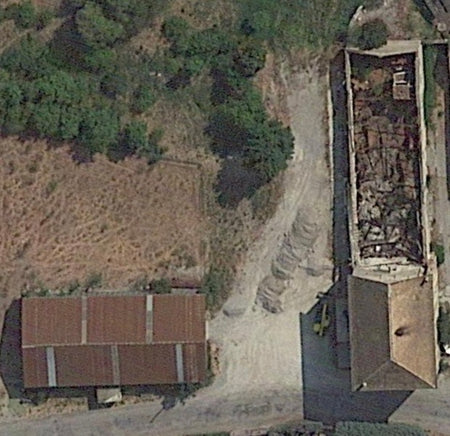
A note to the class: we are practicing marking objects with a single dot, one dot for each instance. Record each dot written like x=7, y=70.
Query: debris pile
x=387, y=157
x=297, y=246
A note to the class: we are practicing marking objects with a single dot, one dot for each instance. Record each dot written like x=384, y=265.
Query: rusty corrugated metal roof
x=144, y=364
x=113, y=340
x=51, y=321
x=114, y=320
x=34, y=367
x=178, y=319
x=83, y=365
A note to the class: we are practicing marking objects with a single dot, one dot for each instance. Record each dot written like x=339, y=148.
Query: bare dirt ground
x=61, y=221
x=260, y=378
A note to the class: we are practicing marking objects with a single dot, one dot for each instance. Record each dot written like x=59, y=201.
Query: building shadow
x=10, y=351
x=442, y=79
x=327, y=395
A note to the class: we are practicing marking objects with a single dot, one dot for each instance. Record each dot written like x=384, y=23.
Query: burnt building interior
x=387, y=157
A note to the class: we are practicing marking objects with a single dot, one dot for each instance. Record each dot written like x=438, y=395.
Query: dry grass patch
x=62, y=222
x=203, y=14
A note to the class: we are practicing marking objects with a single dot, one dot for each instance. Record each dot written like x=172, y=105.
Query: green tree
x=175, y=29
x=14, y=112
x=135, y=135
x=249, y=58
x=115, y=83
x=29, y=59
x=45, y=119
x=99, y=129
x=100, y=60
x=151, y=149
x=69, y=122
x=133, y=15
x=268, y=149
x=142, y=100
x=97, y=30
x=372, y=34
x=62, y=88
x=240, y=128
x=24, y=14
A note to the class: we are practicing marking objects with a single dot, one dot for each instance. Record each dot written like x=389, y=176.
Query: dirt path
x=260, y=380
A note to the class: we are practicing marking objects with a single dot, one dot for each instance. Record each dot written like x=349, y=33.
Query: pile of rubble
x=387, y=158
x=297, y=246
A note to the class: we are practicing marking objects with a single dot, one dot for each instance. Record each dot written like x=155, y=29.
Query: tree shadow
x=235, y=182
x=424, y=10
x=327, y=394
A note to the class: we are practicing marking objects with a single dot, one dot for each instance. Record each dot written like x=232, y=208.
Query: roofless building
x=391, y=294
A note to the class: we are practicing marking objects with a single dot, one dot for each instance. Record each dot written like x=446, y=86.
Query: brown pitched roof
x=113, y=340
x=392, y=334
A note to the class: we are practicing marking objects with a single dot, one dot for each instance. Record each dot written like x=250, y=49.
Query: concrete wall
x=352, y=210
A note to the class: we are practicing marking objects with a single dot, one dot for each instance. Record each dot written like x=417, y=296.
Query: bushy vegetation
x=85, y=86
x=215, y=286
x=160, y=286
x=439, y=251
x=311, y=24
x=77, y=87
x=430, y=55
x=372, y=34
x=443, y=325
x=368, y=429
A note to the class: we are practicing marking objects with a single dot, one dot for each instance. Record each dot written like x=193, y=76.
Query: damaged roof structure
x=391, y=294
x=106, y=340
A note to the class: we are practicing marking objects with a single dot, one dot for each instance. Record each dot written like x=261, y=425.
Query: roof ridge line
x=374, y=373
x=410, y=372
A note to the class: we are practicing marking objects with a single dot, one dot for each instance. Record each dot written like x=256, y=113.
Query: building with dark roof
x=113, y=340
x=392, y=334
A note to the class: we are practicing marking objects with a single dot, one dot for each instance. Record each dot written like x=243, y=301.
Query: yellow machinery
x=322, y=319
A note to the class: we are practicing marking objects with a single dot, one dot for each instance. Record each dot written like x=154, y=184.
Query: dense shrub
x=24, y=14
x=143, y=98
x=135, y=135
x=215, y=287
x=240, y=128
x=151, y=151
x=439, y=251
x=160, y=286
x=249, y=58
x=368, y=429
x=99, y=129
x=443, y=326
x=29, y=59
x=96, y=30
x=372, y=34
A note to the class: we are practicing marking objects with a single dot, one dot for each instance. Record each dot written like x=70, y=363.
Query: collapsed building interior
x=387, y=157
